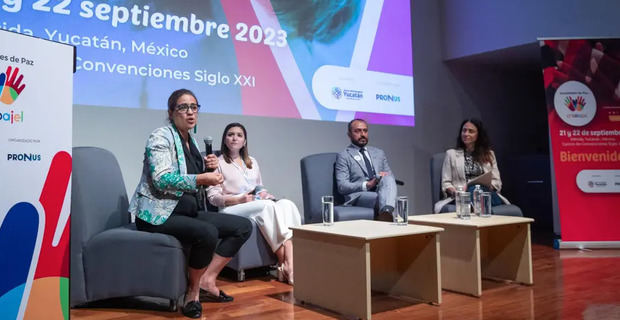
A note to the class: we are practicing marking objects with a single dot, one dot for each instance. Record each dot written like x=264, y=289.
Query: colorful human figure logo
x=11, y=85
x=575, y=104
x=34, y=281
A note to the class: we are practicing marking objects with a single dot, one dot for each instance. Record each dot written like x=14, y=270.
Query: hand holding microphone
x=209, y=177
x=211, y=161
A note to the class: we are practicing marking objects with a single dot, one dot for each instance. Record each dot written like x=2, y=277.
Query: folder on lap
x=483, y=179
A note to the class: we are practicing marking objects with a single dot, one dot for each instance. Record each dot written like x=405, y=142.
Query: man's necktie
x=370, y=171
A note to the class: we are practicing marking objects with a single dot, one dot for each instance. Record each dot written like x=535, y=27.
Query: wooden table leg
x=460, y=260
x=507, y=253
x=407, y=266
x=333, y=272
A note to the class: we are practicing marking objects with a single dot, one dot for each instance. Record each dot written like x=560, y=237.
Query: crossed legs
x=273, y=220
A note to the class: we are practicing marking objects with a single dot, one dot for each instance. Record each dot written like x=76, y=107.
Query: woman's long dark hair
x=482, y=146
x=244, y=150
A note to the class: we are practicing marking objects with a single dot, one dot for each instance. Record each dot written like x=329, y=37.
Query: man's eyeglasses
x=182, y=108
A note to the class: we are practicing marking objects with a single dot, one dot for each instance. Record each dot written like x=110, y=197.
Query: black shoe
x=206, y=296
x=192, y=309
x=385, y=214
x=387, y=209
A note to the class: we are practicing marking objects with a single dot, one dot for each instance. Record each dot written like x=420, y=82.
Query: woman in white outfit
x=237, y=195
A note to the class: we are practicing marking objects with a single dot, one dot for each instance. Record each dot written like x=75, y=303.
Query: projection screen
x=308, y=59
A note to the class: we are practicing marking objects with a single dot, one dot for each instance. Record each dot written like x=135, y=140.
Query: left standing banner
x=36, y=90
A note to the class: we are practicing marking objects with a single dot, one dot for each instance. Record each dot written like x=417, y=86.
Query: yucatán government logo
x=11, y=85
x=348, y=94
x=337, y=93
x=574, y=103
x=353, y=94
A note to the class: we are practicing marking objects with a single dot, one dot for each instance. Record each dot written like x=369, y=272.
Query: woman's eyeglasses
x=182, y=108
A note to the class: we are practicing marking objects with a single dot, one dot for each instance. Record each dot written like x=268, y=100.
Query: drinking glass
x=327, y=204
x=401, y=214
x=463, y=205
x=485, y=205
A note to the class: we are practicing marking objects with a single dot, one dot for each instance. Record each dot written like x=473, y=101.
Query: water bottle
x=476, y=194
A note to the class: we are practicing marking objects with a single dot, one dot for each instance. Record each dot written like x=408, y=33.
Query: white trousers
x=273, y=218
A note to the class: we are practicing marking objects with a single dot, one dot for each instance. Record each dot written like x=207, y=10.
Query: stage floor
x=568, y=284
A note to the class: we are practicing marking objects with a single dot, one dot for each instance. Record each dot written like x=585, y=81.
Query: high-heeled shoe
x=288, y=277
x=280, y=273
x=284, y=276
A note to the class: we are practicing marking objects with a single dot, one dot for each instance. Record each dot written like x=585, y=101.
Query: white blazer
x=453, y=173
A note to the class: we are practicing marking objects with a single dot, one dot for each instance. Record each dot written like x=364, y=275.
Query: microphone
x=209, y=149
x=208, y=145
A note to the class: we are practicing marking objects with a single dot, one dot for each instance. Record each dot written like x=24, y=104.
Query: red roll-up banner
x=582, y=86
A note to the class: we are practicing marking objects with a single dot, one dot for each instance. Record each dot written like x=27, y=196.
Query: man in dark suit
x=363, y=175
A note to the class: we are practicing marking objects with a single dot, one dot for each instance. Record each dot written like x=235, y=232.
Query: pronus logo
x=23, y=157
x=574, y=103
x=337, y=93
x=10, y=85
x=387, y=97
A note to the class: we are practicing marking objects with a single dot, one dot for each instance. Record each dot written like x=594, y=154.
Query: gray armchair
x=318, y=179
x=109, y=257
x=436, y=165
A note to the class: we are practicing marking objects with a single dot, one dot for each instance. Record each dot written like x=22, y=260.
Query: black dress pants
x=202, y=232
